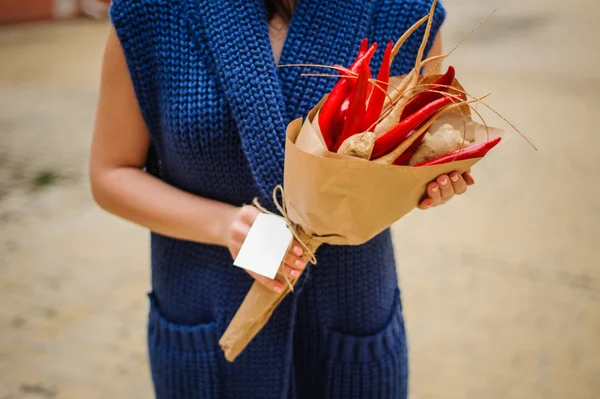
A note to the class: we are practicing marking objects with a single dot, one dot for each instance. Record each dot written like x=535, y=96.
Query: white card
x=265, y=246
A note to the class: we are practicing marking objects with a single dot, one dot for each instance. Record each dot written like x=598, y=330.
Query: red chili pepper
x=357, y=65
x=330, y=109
x=472, y=151
x=363, y=48
x=426, y=97
x=340, y=118
x=331, y=116
x=378, y=94
x=392, y=139
x=364, y=56
x=357, y=106
x=364, y=59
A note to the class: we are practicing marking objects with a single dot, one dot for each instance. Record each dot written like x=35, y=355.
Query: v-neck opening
x=278, y=35
x=289, y=33
x=290, y=29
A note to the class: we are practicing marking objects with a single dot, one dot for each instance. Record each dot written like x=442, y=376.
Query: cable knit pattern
x=217, y=107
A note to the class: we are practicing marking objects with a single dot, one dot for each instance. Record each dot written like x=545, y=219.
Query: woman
x=190, y=126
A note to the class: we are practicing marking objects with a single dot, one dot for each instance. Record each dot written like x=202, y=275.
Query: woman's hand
x=445, y=187
x=241, y=221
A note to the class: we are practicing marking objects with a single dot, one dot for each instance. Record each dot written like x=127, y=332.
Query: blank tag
x=265, y=246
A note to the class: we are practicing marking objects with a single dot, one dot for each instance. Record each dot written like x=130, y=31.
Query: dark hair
x=283, y=8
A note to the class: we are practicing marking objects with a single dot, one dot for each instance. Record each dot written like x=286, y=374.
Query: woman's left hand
x=445, y=187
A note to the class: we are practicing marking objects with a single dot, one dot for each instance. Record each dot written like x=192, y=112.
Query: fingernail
x=454, y=178
x=444, y=181
x=294, y=273
x=434, y=188
x=277, y=289
x=298, y=251
x=300, y=264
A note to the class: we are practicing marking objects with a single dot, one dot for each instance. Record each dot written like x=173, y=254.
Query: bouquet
x=362, y=158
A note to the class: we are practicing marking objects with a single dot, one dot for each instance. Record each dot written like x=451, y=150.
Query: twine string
x=281, y=207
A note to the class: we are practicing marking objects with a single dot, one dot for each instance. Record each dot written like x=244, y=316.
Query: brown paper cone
x=256, y=309
x=343, y=200
x=336, y=199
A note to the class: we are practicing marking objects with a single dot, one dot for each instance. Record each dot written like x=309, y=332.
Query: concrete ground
x=501, y=287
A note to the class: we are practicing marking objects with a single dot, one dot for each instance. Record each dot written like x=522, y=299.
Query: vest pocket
x=368, y=367
x=183, y=359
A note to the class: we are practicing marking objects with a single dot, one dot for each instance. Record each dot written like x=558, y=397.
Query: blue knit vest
x=216, y=107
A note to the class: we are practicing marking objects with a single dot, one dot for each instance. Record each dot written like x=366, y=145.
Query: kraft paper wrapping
x=340, y=200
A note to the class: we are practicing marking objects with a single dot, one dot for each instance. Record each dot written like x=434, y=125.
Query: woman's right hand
x=242, y=219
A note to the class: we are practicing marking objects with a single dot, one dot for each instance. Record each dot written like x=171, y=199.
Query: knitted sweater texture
x=217, y=107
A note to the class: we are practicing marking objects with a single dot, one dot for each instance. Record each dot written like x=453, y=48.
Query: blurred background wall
x=501, y=287
x=19, y=11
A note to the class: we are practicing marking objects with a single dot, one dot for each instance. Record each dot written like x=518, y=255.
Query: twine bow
x=281, y=207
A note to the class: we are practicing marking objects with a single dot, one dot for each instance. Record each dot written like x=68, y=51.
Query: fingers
x=248, y=214
x=290, y=272
x=234, y=249
x=446, y=189
x=239, y=230
x=458, y=183
x=293, y=264
x=293, y=257
x=468, y=178
x=240, y=227
x=426, y=204
x=434, y=197
x=245, y=220
x=267, y=282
